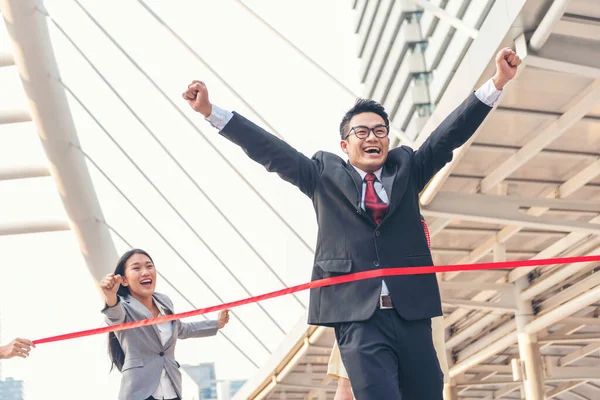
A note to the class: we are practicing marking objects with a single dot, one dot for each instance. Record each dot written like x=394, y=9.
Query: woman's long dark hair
x=115, y=351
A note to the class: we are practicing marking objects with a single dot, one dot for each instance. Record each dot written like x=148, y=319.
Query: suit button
x=376, y=264
x=161, y=354
x=377, y=233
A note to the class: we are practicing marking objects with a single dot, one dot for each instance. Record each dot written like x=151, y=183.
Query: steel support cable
x=208, y=67
x=297, y=49
x=181, y=168
x=191, y=123
x=244, y=239
x=113, y=230
x=166, y=200
x=216, y=207
x=164, y=239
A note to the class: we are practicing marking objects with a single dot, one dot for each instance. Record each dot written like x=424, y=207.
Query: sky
x=45, y=286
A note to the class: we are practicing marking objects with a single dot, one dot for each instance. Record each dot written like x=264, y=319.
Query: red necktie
x=373, y=203
x=427, y=235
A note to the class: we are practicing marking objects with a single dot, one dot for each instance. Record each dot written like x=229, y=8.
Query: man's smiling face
x=368, y=154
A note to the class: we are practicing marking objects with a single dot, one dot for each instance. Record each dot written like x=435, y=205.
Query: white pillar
x=529, y=350
x=34, y=58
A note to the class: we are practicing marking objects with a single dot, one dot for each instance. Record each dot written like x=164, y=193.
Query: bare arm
x=462, y=123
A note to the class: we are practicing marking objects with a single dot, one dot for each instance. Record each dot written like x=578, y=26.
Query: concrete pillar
x=529, y=350
x=35, y=61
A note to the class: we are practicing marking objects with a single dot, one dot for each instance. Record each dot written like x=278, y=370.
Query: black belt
x=152, y=398
x=385, y=302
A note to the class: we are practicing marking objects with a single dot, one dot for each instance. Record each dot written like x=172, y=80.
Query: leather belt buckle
x=385, y=302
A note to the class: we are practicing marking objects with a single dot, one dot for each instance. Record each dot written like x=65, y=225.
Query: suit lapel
x=353, y=192
x=145, y=313
x=169, y=311
x=394, y=178
x=388, y=175
x=356, y=192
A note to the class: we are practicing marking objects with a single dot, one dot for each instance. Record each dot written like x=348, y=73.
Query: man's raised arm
x=271, y=152
x=462, y=123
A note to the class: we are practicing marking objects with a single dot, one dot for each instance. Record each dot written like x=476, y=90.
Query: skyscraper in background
x=205, y=377
x=11, y=389
x=227, y=389
x=209, y=387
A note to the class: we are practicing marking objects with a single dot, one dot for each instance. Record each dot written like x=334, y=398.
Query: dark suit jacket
x=348, y=239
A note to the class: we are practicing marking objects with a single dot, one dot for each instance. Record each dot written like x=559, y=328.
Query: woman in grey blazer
x=146, y=356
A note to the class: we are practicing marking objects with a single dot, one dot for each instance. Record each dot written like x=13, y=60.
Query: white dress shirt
x=382, y=195
x=165, y=389
x=487, y=94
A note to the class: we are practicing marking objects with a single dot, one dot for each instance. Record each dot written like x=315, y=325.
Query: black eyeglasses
x=362, y=132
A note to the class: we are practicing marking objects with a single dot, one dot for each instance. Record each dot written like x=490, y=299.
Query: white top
x=165, y=389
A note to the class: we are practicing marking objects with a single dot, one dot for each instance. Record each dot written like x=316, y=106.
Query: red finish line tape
x=321, y=283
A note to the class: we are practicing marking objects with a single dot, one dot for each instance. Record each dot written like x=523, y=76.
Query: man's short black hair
x=362, y=106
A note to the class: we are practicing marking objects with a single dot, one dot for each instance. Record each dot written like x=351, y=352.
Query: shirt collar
x=161, y=309
x=363, y=173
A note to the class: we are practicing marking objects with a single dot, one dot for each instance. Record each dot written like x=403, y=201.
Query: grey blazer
x=145, y=356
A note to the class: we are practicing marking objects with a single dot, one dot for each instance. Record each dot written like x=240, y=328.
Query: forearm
x=273, y=153
x=452, y=133
x=114, y=314
x=198, y=329
x=110, y=299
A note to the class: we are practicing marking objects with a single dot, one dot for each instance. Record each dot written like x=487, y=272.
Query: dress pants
x=388, y=357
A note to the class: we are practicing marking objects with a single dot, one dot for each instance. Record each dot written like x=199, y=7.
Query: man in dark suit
x=368, y=218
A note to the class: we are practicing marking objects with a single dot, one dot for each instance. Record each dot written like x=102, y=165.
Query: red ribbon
x=378, y=273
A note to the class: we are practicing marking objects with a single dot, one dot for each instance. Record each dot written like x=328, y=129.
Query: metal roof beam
x=23, y=172
x=537, y=325
x=578, y=27
x=22, y=228
x=14, y=116
x=544, y=29
x=578, y=354
x=563, y=66
x=565, y=387
x=6, y=60
x=507, y=211
x=450, y=19
x=589, y=98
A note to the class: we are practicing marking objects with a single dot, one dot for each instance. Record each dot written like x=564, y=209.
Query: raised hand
x=197, y=97
x=110, y=285
x=507, y=62
x=223, y=318
x=17, y=348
